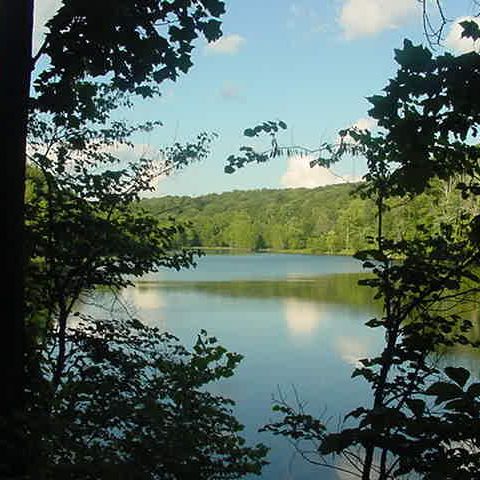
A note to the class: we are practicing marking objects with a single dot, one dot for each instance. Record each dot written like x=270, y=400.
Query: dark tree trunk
x=16, y=20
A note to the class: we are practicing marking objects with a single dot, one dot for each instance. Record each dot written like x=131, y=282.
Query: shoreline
x=245, y=251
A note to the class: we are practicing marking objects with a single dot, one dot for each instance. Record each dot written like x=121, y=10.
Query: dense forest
x=334, y=219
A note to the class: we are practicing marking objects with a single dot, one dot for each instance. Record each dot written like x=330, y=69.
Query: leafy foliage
x=132, y=403
x=99, y=406
x=117, y=47
x=84, y=231
x=109, y=397
x=332, y=220
x=325, y=155
x=424, y=419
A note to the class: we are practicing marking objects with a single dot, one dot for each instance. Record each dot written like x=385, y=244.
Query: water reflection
x=353, y=349
x=303, y=317
x=260, y=266
x=149, y=303
x=147, y=297
x=339, y=289
x=293, y=326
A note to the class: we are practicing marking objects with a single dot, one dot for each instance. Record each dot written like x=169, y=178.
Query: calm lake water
x=298, y=321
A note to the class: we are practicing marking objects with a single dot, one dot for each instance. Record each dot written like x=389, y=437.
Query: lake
x=298, y=321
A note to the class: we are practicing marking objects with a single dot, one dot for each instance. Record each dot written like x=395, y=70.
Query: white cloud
x=44, y=11
x=124, y=153
x=365, y=123
x=226, y=45
x=131, y=153
x=300, y=174
x=455, y=41
x=360, y=18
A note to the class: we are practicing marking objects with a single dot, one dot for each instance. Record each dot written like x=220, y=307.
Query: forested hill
x=322, y=220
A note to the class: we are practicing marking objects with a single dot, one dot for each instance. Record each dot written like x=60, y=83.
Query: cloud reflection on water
x=147, y=298
x=302, y=317
x=149, y=304
x=353, y=349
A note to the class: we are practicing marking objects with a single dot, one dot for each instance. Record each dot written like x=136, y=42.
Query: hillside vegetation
x=332, y=219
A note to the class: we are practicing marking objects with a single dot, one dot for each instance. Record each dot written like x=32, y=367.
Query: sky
x=310, y=63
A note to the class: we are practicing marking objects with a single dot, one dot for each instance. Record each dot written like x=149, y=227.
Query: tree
x=241, y=232
x=15, y=58
x=134, y=403
x=435, y=19
x=128, y=47
x=423, y=419
x=290, y=219
x=110, y=397
x=83, y=229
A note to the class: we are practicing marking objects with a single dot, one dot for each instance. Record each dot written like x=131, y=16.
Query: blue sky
x=310, y=63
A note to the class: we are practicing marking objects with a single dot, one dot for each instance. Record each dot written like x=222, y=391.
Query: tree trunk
x=16, y=21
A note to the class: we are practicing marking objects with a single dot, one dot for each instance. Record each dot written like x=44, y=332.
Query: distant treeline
x=329, y=219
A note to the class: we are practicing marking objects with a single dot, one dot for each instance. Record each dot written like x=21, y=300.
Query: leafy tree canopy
x=129, y=46
x=424, y=418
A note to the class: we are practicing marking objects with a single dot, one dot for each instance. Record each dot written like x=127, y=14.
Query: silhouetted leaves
x=112, y=398
x=134, y=402
x=422, y=421
x=459, y=375
x=129, y=46
x=471, y=29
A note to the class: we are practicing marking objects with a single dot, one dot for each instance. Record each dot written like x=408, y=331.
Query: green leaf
x=335, y=442
x=474, y=390
x=249, y=132
x=212, y=30
x=444, y=391
x=215, y=7
x=356, y=413
x=471, y=29
x=374, y=322
x=415, y=58
x=459, y=375
x=459, y=404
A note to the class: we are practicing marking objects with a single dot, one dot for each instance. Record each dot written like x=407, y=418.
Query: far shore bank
x=245, y=251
